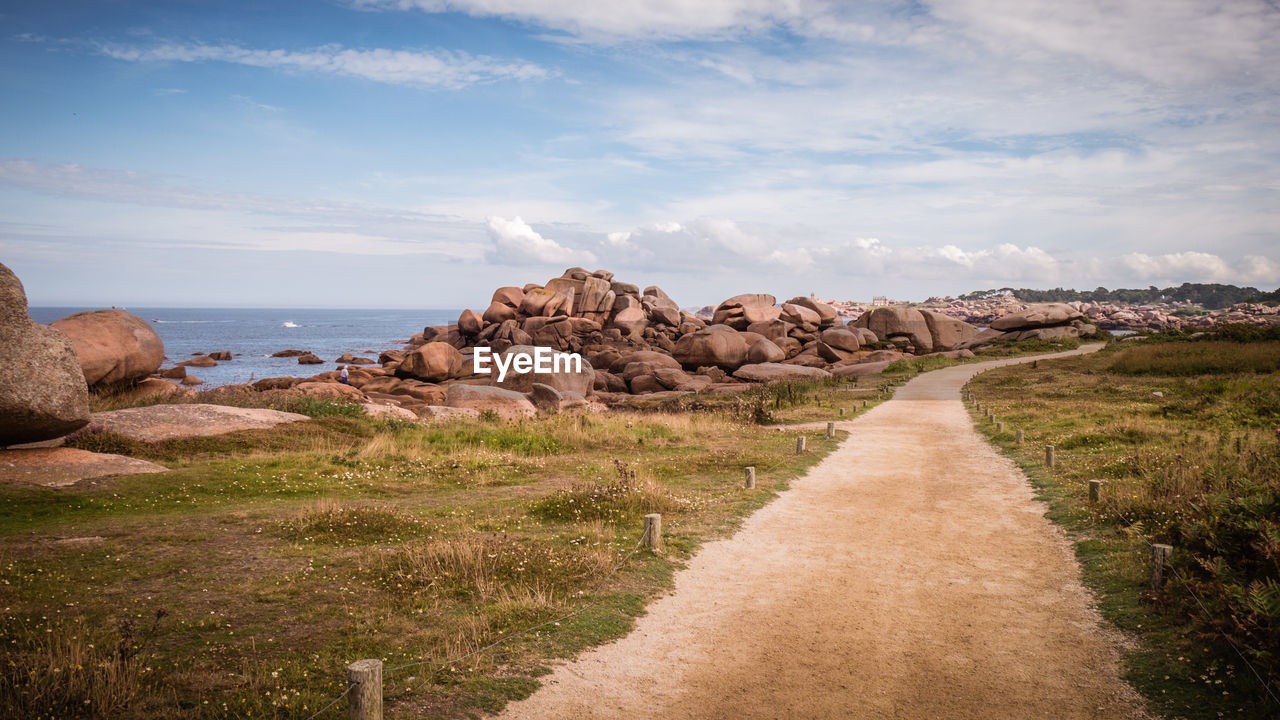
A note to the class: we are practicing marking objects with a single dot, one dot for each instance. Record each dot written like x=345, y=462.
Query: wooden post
x=1095, y=491
x=1159, y=558
x=1000, y=427
x=1048, y=455
x=841, y=412
x=799, y=444
x=831, y=430
x=992, y=418
x=1019, y=438
x=653, y=530
x=750, y=481
x=364, y=702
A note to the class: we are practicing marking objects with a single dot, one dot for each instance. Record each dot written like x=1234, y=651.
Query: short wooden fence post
x=750, y=481
x=1018, y=439
x=1048, y=455
x=1160, y=555
x=999, y=427
x=831, y=430
x=799, y=444
x=1095, y=491
x=653, y=531
x=364, y=701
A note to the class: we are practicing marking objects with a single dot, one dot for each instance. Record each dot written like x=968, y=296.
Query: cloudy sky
x=419, y=153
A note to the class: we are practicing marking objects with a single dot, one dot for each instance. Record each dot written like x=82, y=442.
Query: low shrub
x=622, y=501
x=338, y=524
x=1198, y=358
x=95, y=438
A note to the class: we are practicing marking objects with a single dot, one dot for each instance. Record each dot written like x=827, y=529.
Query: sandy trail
x=911, y=574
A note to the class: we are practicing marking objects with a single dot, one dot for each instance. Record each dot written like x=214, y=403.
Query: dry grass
x=62, y=673
x=1199, y=358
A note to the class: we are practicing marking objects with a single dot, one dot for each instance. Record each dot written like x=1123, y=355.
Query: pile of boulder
x=1148, y=317
x=1045, y=321
x=634, y=342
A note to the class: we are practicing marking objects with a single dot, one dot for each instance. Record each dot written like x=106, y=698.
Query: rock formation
x=113, y=346
x=43, y=393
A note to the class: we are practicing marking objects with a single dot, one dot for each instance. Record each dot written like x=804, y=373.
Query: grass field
x=1184, y=437
x=242, y=582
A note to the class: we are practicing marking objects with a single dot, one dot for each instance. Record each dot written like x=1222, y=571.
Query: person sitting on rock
x=342, y=377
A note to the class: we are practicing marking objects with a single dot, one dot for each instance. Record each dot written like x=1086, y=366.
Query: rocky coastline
x=634, y=342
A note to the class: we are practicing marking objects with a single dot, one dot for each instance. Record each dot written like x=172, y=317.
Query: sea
x=253, y=334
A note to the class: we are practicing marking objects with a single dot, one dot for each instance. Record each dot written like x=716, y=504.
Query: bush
x=621, y=501
x=283, y=400
x=1198, y=358
x=1242, y=333
x=95, y=438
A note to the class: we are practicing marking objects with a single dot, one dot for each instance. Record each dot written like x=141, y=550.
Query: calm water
x=253, y=334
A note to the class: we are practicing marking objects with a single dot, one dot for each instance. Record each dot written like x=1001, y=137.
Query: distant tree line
x=1208, y=295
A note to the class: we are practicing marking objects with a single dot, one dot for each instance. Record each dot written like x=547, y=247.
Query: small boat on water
x=289, y=323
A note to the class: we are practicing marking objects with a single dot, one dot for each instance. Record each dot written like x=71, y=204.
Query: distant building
x=879, y=301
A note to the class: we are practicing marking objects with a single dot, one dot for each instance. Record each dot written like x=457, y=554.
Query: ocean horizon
x=251, y=335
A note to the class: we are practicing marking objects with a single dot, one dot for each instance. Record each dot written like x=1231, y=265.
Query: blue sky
x=419, y=153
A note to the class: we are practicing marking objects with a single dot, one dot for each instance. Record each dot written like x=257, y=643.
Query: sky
x=420, y=153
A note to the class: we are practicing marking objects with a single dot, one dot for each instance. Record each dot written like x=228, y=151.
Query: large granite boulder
x=43, y=393
x=765, y=351
x=157, y=423
x=113, y=346
x=827, y=315
x=1038, y=315
x=889, y=323
x=773, y=372
x=717, y=345
x=740, y=311
x=565, y=379
x=841, y=339
x=433, y=362
x=508, y=404
x=948, y=333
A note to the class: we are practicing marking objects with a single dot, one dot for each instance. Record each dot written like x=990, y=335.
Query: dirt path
x=909, y=575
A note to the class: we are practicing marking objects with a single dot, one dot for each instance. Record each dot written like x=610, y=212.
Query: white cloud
x=1167, y=41
x=1259, y=269
x=429, y=69
x=1206, y=267
x=515, y=243
x=647, y=19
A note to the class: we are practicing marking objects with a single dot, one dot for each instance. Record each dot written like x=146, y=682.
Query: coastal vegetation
x=242, y=582
x=1182, y=433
